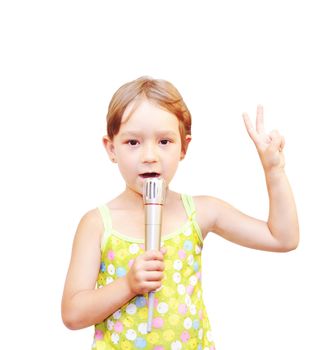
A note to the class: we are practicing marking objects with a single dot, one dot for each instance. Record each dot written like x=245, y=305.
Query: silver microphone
x=154, y=196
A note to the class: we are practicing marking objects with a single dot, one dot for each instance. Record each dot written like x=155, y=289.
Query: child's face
x=148, y=144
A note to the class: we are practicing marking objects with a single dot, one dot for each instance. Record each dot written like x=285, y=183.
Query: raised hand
x=269, y=146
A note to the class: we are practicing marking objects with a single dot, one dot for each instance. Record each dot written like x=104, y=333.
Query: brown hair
x=158, y=91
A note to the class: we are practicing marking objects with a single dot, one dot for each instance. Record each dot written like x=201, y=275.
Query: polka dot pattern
x=180, y=319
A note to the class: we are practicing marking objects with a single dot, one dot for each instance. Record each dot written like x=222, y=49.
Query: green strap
x=190, y=208
x=107, y=222
x=189, y=205
x=106, y=217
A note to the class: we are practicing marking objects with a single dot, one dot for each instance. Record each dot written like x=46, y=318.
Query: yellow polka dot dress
x=180, y=320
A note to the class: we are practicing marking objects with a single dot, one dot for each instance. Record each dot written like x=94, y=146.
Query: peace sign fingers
x=260, y=119
x=269, y=146
x=258, y=135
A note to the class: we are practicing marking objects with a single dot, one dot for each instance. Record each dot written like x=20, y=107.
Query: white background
x=61, y=61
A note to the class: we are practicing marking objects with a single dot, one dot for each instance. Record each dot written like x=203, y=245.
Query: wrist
x=272, y=175
x=128, y=286
x=274, y=171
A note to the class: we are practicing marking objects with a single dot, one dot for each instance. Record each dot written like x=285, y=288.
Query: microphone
x=154, y=196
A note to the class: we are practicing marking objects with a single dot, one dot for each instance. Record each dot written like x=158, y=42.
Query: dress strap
x=189, y=205
x=107, y=223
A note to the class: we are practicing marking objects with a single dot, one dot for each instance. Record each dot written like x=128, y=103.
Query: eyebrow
x=136, y=133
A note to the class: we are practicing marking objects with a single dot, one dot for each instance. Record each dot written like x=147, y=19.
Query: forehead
x=147, y=113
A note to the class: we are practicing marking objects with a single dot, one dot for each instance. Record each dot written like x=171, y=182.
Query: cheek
x=172, y=165
x=123, y=161
x=127, y=164
x=126, y=158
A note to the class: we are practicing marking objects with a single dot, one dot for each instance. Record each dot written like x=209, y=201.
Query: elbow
x=71, y=319
x=70, y=325
x=287, y=240
x=290, y=245
x=70, y=322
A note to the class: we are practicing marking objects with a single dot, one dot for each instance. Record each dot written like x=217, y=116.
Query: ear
x=109, y=147
x=184, y=151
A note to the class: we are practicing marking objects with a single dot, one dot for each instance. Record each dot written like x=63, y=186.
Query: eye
x=132, y=142
x=165, y=142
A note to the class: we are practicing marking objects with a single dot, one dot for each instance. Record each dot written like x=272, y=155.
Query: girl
x=148, y=132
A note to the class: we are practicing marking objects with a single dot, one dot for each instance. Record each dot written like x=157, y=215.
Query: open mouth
x=147, y=175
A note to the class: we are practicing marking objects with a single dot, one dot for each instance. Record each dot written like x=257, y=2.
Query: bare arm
x=281, y=231
x=282, y=221
x=82, y=304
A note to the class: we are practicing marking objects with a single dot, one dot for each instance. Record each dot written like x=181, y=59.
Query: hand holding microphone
x=154, y=197
x=146, y=273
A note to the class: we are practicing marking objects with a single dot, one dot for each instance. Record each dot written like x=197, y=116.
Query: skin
x=149, y=141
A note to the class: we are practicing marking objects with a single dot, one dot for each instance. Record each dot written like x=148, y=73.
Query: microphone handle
x=153, y=222
x=153, y=219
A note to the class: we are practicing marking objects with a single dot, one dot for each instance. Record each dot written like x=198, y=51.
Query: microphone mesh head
x=154, y=191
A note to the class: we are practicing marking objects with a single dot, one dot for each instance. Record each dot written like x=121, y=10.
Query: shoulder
x=208, y=209
x=92, y=218
x=90, y=226
x=204, y=201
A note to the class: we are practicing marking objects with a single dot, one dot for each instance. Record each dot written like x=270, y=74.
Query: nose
x=150, y=154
